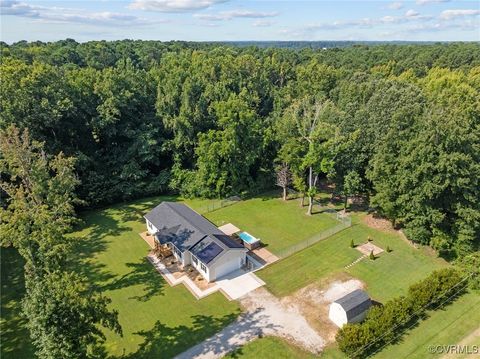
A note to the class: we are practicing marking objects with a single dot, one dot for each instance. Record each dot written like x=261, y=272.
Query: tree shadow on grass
x=163, y=341
x=143, y=273
x=85, y=247
x=14, y=336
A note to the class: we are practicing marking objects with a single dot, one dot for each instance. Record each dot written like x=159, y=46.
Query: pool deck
x=265, y=255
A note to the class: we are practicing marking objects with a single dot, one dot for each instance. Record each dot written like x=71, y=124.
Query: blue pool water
x=247, y=237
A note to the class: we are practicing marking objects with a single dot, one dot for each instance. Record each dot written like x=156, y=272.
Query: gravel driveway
x=265, y=315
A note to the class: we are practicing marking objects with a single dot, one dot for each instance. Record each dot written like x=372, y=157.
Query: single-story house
x=194, y=240
x=351, y=308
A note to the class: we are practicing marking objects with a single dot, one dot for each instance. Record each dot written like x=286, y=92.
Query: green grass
x=161, y=321
x=388, y=276
x=269, y=347
x=14, y=337
x=277, y=223
x=157, y=320
x=447, y=326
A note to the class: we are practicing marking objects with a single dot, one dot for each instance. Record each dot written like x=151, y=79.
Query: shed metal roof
x=355, y=303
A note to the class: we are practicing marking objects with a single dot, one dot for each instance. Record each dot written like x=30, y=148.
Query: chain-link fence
x=217, y=204
x=343, y=223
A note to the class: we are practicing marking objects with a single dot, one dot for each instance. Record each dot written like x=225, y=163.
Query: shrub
x=384, y=323
x=389, y=249
x=372, y=256
x=352, y=244
x=470, y=265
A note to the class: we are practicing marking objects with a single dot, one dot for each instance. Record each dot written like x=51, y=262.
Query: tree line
x=397, y=123
x=385, y=324
x=84, y=125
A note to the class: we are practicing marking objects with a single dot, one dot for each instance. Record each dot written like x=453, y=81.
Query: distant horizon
x=235, y=20
x=259, y=41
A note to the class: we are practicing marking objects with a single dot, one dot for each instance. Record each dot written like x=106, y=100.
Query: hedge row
x=384, y=323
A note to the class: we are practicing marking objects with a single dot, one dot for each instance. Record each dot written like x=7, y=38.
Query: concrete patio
x=234, y=286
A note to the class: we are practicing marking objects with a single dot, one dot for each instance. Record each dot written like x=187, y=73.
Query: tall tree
x=62, y=314
x=308, y=122
x=352, y=185
x=284, y=178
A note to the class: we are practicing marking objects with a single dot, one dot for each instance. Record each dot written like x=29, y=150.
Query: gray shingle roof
x=182, y=226
x=355, y=303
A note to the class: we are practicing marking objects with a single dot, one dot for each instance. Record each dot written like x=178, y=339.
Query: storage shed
x=351, y=308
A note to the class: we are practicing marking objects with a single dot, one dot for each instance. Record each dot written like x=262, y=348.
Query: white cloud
x=410, y=17
x=388, y=19
x=229, y=15
x=466, y=25
x=173, y=5
x=69, y=15
x=263, y=23
x=411, y=13
x=395, y=5
x=424, y=2
x=451, y=14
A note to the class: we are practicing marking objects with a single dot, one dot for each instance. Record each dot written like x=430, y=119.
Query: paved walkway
x=265, y=315
x=197, y=292
x=356, y=261
x=235, y=285
x=265, y=255
x=239, y=283
x=147, y=237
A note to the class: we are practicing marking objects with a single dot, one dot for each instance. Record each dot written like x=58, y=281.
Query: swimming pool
x=248, y=238
x=249, y=241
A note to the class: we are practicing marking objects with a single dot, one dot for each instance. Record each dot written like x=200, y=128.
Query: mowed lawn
x=386, y=277
x=158, y=321
x=270, y=347
x=14, y=337
x=279, y=224
x=457, y=323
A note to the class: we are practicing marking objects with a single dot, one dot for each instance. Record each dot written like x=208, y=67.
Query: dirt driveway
x=302, y=319
x=264, y=315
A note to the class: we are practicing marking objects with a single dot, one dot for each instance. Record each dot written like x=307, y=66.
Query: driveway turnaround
x=239, y=283
x=265, y=315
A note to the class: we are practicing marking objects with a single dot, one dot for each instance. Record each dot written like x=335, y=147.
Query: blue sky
x=221, y=20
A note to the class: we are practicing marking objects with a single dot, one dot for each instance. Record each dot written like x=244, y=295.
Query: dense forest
x=399, y=124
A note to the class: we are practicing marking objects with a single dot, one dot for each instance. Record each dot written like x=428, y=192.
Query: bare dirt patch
x=284, y=318
x=378, y=223
x=302, y=319
x=314, y=302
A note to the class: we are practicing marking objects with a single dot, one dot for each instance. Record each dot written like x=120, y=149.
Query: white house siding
x=227, y=263
x=206, y=273
x=337, y=314
x=151, y=228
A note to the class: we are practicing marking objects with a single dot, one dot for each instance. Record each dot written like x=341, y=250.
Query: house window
x=177, y=251
x=203, y=267
x=195, y=260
